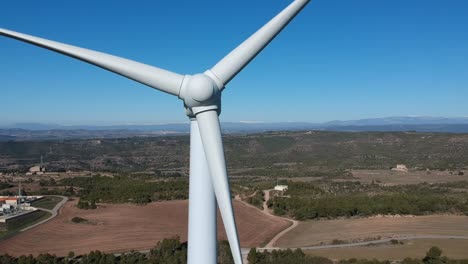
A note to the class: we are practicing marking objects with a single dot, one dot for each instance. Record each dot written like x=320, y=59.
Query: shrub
x=78, y=220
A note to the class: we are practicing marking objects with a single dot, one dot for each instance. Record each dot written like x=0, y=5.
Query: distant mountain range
x=401, y=120
x=37, y=131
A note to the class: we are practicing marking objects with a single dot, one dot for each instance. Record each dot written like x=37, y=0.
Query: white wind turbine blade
x=210, y=132
x=237, y=59
x=157, y=78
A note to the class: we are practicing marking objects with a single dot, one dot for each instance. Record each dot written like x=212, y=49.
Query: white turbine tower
x=201, y=94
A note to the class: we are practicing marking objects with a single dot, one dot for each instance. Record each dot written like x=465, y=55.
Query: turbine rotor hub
x=199, y=93
x=201, y=88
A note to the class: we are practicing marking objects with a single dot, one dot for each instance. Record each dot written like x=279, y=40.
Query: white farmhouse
x=36, y=170
x=282, y=188
x=401, y=167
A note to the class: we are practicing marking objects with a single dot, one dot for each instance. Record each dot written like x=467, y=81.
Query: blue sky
x=337, y=60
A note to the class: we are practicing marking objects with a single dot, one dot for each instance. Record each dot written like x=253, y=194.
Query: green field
x=39, y=216
x=48, y=202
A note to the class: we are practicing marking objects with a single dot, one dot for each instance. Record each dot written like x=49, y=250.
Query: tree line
x=167, y=251
x=124, y=189
x=173, y=251
x=288, y=256
x=310, y=201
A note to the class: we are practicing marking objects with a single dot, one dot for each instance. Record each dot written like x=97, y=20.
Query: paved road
x=54, y=212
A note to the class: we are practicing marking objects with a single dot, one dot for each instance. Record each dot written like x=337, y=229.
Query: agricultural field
x=452, y=248
x=48, y=202
x=338, y=184
x=389, y=177
x=126, y=227
x=340, y=231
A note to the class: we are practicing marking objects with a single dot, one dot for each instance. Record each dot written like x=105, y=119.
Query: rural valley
x=345, y=197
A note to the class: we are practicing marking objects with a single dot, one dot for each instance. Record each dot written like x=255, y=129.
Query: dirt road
x=415, y=226
x=266, y=211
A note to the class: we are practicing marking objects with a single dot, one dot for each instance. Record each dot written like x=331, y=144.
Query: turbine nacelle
x=200, y=93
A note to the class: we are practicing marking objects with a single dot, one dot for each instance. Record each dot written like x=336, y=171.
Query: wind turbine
x=201, y=94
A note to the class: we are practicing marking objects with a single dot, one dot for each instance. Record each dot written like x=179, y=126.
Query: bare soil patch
x=312, y=233
x=126, y=227
x=389, y=177
x=453, y=248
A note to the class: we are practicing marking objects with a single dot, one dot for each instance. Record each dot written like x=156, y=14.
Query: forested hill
x=273, y=153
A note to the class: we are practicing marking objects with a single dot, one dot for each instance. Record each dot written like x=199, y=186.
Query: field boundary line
x=372, y=242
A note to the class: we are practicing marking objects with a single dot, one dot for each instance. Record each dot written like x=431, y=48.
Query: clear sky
x=338, y=59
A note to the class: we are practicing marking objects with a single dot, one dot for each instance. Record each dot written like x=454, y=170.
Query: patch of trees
x=256, y=199
x=457, y=184
x=167, y=251
x=50, y=182
x=66, y=191
x=173, y=251
x=5, y=185
x=7, y=193
x=296, y=171
x=433, y=256
x=78, y=220
x=287, y=256
x=313, y=153
x=167, y=174
x=123, y=189
x=311, y=201
x=86, y=204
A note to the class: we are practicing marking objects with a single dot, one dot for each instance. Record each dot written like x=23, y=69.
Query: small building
x=400, y=167
x=6, y=206
x=9, y=200
x=282, y=188
x=36, y=170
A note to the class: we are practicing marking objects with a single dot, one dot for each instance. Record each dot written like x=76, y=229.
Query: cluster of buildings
x=12, y=204
x=15, y=209
x=7, y=203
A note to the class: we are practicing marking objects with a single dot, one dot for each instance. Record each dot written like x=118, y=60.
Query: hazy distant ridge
x=25, y=131
x=401, y=120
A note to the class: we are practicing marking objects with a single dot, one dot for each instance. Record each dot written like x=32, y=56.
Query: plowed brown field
x=452, y=248
x=125, y=227
x=310, y=233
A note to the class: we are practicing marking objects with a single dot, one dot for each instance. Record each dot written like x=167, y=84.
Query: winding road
x=266, y=211
x=270, y=245
x=372, y=242
x=54, y=212
x=280, y=234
